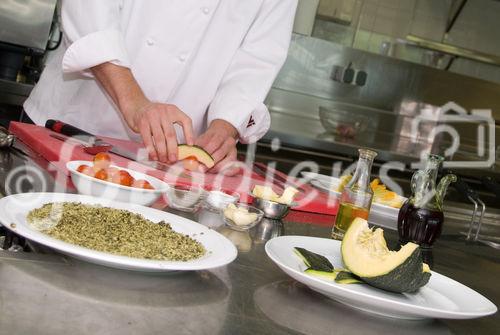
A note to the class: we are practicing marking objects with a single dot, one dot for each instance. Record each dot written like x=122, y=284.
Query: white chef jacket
x=214, y=59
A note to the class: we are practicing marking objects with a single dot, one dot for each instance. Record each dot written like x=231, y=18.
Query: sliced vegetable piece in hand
x=185, y=151
x=191, y=164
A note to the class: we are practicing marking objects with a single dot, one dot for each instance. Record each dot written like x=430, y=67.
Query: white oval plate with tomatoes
x=116, y=183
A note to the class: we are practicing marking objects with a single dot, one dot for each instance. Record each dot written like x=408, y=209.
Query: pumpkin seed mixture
x=114, y=231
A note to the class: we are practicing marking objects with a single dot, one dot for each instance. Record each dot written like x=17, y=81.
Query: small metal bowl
x=185, y=198
x=272, y=209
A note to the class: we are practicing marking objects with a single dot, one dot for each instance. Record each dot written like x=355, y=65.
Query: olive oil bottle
x=356, y=198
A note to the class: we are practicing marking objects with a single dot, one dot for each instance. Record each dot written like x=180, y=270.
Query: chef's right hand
x=155, y=122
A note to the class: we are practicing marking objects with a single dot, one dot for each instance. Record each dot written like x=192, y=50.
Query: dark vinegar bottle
x=419, y=225
x=421, y=218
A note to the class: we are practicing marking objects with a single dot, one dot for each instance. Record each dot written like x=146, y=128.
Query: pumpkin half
x=365, y=254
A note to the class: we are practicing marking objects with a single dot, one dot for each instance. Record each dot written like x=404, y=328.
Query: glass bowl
x=218, y=200
x=185, y=198
x=230, y=223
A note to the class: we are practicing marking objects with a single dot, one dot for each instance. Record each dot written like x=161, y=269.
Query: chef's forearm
x=121, y=86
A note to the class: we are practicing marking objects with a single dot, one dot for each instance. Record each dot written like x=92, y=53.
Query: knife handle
x=68, y=130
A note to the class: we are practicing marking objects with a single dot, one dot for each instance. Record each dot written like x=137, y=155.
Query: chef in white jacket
x=194, y=71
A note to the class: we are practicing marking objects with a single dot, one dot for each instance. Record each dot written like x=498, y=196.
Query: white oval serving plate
x=442, y=297
x=219, y=250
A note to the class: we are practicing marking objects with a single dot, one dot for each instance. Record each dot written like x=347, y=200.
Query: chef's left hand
x=220, y=141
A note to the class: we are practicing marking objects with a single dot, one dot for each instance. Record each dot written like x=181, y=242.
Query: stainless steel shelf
x=454, y=50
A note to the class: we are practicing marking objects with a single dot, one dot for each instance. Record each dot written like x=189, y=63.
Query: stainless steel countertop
x=52, y=294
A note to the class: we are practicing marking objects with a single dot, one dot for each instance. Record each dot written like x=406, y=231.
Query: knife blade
x=103, y=148
x=92, y=144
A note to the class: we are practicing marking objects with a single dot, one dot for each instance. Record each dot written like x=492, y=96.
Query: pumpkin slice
x=185, y=151
x=365, y=254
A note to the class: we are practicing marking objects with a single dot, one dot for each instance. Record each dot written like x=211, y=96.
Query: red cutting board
x=58, y=153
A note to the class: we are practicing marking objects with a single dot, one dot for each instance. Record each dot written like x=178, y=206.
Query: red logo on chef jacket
x=251, y=122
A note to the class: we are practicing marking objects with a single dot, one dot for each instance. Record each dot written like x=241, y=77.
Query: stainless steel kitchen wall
x=394, y=94
x=390, y=82
x=26, y=22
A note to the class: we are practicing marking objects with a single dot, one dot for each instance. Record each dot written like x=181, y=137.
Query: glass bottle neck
x=432, y=169
x=361, y=178
x=425, y=184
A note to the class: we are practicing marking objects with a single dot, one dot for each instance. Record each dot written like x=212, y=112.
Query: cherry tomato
x=123, y=178
x=82, y=168
x=111, y=172
x=191, y=164
x=141, y=183
x=101, y=174
x=102, y=161
x=85, y=169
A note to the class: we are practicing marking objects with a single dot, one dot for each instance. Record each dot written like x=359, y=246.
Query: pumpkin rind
x=184, y=151
x=366, y=255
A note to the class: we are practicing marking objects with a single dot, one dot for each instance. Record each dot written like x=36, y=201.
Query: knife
x=93, y=150
x=92, y=144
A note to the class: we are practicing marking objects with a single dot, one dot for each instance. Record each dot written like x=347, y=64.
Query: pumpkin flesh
x=365, y=254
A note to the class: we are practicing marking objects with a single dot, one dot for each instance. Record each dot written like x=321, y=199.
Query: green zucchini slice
x=345, y=277
x=314, y=261
x=328, y=275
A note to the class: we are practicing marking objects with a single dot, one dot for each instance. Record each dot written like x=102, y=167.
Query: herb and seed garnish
x=114, y=231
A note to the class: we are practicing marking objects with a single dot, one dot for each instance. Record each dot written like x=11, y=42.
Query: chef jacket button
x=150, y=41
x=182, y=58
x=205, y=10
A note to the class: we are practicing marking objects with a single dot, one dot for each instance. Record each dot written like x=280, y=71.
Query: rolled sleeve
x=239, y=98
x=251, y=120
x=94, y=49
x=92, y=31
